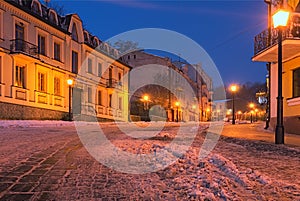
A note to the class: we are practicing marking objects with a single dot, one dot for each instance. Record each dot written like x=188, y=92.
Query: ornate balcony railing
x=112, y=83
x=19, y=45
x=265, y=39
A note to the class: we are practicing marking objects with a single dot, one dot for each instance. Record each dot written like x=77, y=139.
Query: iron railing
x=22, y=46
x=264, y=40
x=113, y=83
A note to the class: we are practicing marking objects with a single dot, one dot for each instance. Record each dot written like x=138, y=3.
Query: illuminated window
x=42, y=45
x=57, y=55
x=74, y=62
x=41, y=82
x=57, y=86
x=296, y=83
x=20, y=76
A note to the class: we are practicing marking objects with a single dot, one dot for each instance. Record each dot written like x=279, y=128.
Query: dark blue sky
x=225, y=29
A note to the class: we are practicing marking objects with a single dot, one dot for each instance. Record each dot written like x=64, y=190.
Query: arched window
x=52, y=16
x=74, y=33
x=36, y=7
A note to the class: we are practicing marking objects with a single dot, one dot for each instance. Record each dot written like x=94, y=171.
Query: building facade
x=40, y=50
x=179, y=106
x=266, y=50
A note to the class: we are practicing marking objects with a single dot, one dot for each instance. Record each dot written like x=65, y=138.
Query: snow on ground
x=237, y=169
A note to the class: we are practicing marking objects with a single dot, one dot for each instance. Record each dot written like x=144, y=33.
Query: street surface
x=47, y=161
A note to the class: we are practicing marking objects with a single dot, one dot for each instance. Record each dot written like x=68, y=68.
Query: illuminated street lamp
x=70, y=83
x=233, y=89
x=280, y=20
x=177, y=104
x=146, y=102
x=251, y=105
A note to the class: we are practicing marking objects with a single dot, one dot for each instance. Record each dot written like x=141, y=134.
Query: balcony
x=112, y=83
x=21, y=46
x=265, y=43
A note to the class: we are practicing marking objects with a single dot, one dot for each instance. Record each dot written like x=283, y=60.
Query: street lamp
x=177, y=106
x=70, y=83
x=233, y=89
x=146, y=102
x=280, y=19
x=251, y=105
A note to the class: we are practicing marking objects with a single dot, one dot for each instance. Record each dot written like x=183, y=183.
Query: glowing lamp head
x=251, y=105
x=177, y=103
x=70, y=82
x=146, y=97
x=280, y=18
x=233, y=88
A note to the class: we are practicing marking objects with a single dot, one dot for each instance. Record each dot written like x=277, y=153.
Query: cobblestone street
x=50, y=163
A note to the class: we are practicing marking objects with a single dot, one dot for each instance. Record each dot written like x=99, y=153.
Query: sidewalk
x=256, y=131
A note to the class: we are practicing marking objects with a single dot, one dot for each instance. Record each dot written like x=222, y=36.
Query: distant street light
x=233, y=89
x=177, y=104
x=280, y=20
x=70, y=83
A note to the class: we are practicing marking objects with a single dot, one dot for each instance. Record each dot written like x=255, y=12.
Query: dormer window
x=36, y=7
x=52, y=16
x=95, y=42
x=86, y=37
x=74, y=33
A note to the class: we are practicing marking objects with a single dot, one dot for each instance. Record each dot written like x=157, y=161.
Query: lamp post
x=280, y=19
x=251, y=105
x=146, y=102
x=233, y=89
x=70, y=83
x=177, y=114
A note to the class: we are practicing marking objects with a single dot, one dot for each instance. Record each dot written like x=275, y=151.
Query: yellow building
x=266, y=50
x=40, y=50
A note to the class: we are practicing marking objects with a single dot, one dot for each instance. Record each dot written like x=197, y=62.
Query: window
x=74, y=62
x=57, y=91
x=110, y=100
x=90, y=66
x=128, y=57
x=36, y=8
x=119, y=79
x=120, y=103
x=74, y=33
x=296, y=83
x=19, y=34
x=42, y=44
x=99, y=69
x=99, y=97
x=41, y=82
x=52, y=16
x=57, y=51
x=134, y=56
x=89, y=95
x=20, y=76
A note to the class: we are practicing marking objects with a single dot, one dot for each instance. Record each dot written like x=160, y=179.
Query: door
x=19, y=35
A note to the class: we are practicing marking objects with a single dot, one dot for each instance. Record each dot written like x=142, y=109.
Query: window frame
x=20, y=76
x=55, y=44
x=90, y=66
x=90, y=95
x=296, y=93
x=74, y=67
x=45, y=46
x=42, y=82
x=99, y=97
x=57, y=86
